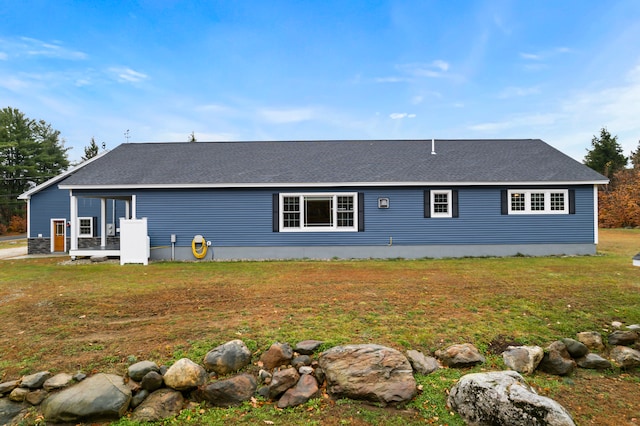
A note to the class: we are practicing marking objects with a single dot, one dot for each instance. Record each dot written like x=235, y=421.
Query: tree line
x=32, y=151
x=619, y=201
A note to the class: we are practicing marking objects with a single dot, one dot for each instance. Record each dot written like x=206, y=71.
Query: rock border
x=287, y=376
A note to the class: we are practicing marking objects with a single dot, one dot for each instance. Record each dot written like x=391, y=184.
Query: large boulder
x=594, y=362
x=368, y=372
x=622, y=338
x=36, y=380
x=58, y=381
x=422, y=364
x=10, y=411
x=304, y=390
x=227, y=358
x=185, y=374
x=99, y=398
x=591, y=339
x=625, y=357
x=161, y=404
x=575, y=348
x=557, y=360
x=278, y=354
x=460, y=356
x=503, y=398
x=523, y=359
x=225, y=393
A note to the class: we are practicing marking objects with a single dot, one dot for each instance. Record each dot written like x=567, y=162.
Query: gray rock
x=18, y=394
x=300, y=361
x=634, y=327
x=422, y=364
x=504, y=398
x=58, y=381
x=229, y=392
x=305, y=369
x=304, y=390
x=460, y=356
x=319, y=374
x=227, y=358
x=151, y=381
x=185, y=374
x=368, y=372
x=591, y=339
x=99, y=398
x=138, y=370
x=79, y=376
x=557, y=360
x=523, y=359
x=575, y=348
x=35, y=381
x=278, y=354
x=594, y=362
x=308, y=347
x=10, y=411
x=281, y=381
x=161, y=404
x=625, y=357
x=138, y=398
x=7, y=387
x=622, y=338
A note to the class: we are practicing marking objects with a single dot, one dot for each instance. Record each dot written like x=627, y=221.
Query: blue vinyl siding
x=53, y=202
x=243, y=217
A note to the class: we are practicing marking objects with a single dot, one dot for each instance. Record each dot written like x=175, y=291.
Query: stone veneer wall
x=43, y=245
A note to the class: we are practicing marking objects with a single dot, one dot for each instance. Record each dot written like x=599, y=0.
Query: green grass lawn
x=97, y=316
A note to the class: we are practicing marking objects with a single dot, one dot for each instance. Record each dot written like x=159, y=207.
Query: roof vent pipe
x=433, y=147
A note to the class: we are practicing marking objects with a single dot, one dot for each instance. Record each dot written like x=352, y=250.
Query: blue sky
x=300, y=70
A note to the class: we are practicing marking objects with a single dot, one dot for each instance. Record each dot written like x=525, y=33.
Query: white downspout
x=133, y=207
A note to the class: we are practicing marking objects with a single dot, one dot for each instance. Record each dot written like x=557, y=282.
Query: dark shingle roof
x=332, y=162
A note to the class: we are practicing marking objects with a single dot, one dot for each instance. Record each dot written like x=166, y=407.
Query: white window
x=538, y=201
x=318, y=212
x=441, y=203
x=85, y=227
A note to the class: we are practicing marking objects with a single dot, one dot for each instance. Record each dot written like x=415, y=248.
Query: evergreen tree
x=30, y=153
x=90, y=151
x=635, y=157
x=605, y=156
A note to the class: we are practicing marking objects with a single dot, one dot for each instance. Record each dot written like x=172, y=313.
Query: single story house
x=319, y=199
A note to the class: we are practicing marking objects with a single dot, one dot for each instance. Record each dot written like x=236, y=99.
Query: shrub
x=3, y=229
x=17, y=224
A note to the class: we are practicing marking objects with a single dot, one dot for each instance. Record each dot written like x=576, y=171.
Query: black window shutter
x=504, y=204
x=572, y=201
x=276, y=212
x=454, y=203
x=427, y=203
x=95, y=226
x=360, y=211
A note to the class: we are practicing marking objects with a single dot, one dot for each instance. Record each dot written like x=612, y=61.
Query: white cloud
x=401, y=115
x=435, y=69
x=286, y=115
x=127, y=75
x=517, y=121
x=35, y=47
